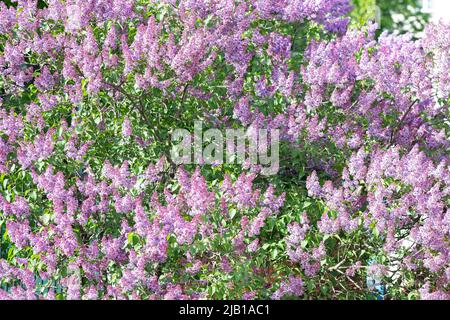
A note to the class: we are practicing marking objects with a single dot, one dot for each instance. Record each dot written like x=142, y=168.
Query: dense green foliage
x=392, y=15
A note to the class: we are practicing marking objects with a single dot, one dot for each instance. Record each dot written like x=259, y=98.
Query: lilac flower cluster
x=91, y=89
x=142, y=241
x=412, y=207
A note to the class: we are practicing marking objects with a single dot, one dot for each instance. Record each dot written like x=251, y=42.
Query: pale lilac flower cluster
x=292, y=287
x=80, y=193
x=414, y=203
x=183, y=216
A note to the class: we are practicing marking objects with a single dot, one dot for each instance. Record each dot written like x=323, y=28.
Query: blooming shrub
x=93, y=207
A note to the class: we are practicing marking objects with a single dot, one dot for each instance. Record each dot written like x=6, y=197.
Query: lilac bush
x=93, y=207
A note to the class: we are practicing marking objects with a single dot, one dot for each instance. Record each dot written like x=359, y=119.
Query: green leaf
x=233, y=213
x=274, y=254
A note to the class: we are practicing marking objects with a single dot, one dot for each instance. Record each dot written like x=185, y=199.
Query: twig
x=397, y=128
x=141, y=110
